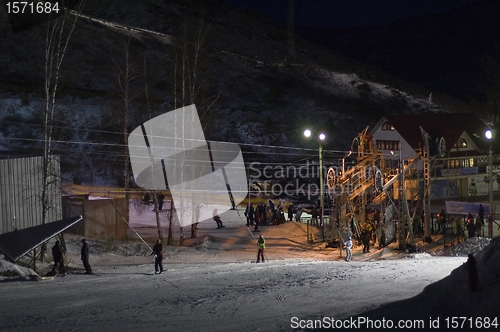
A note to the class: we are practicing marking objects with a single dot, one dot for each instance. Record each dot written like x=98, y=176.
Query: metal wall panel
x=21, y=192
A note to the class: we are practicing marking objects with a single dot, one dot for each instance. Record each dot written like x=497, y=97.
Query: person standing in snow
x=365, y=239
x=290, y=212
x=158, y=252
x=314, y=216
x=85, y=253
x=251, y=215
x=471, y=228
x=348, y=246
x=262, y=211
x=490, y=222
x=261, y=242
x=271, y=206
x=479, y=227
x=298, y=214
x=442, y=220
x=480, y=213
x=58, y=255
x=254, y=213
x=161, y=198
x=366, y=236
x=217, y=219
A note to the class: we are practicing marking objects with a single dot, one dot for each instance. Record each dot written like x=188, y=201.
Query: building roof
x=10, y=154
x=18, y=243
x=448, y=125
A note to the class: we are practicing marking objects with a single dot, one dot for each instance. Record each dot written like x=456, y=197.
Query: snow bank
x=451, y=296
x=10, y=270
x=469, y=246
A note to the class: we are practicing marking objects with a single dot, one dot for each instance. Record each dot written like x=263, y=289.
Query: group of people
x=372, y=231
x=157, y=250
x=266, y=214
x=58, y=255
x=474, y=227
x=58, y=252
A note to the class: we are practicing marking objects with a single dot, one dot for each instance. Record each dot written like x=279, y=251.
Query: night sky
x=344, y=13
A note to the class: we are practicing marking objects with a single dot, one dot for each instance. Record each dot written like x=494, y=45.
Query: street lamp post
x=489, y=136
x=321, y=138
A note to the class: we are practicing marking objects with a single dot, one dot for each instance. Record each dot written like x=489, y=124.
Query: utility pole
x=427, y=184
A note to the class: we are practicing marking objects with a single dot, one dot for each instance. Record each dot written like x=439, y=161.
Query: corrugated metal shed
x=21, y=189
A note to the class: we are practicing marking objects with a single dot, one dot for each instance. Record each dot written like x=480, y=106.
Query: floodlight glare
x=307, y=133
x=322, y=136
x=488, y=134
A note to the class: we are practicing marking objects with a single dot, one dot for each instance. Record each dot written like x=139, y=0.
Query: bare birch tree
x=58, y=35
x=190, y=81
x=127, y=73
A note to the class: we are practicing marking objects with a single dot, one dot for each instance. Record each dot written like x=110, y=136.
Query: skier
x=348, y=246
x=262, y=245
x=158, y=252
x=217, y=219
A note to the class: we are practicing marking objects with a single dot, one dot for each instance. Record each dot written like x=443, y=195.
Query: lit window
x=387, y=126
x=461, y=143
x=469, y=162
x=387, y=145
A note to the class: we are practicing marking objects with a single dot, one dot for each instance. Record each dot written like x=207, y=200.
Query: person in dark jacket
x=251, y=215
x=471, y=228
x=161, y=198
x=314, y=216
x=480, y=213
x=158, y=252
x=85, y=256
x=217, y=219
x=290, y=212
x=58, y=254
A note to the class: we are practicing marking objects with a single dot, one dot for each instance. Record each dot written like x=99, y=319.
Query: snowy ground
x=212, y=284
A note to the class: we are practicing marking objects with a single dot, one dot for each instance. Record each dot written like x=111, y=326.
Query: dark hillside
x=444, y=52
x=255, y=99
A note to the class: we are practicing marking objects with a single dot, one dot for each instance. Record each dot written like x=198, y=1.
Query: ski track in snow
x=222, y=297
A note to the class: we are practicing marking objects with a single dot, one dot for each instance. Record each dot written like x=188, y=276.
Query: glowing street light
x=321, y=138
x=488, y=134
